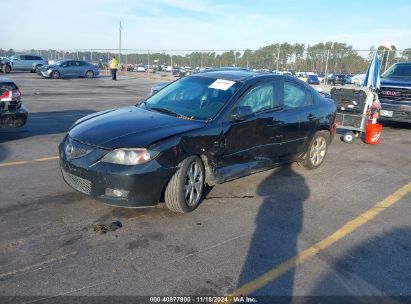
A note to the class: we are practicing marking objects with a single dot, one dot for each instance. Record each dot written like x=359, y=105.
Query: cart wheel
x=348, y=137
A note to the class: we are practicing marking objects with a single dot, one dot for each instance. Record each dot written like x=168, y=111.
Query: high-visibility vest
x=114, y=63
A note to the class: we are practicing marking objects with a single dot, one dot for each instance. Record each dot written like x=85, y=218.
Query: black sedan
x=13, y=114
x=199, y=130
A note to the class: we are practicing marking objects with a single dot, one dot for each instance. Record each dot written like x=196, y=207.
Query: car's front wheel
x=316, y=151
x=185, y=189
x=55, y=74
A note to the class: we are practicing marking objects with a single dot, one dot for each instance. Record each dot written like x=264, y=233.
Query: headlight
x=129, y=156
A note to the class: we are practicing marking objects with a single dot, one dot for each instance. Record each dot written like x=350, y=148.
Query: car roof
x=235, y=75
x=404, y=63
x=6, y=80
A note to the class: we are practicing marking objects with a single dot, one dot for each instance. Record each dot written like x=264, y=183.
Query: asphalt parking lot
x=282, y=232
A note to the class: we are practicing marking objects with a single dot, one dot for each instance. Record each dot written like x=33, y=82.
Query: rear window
x=7, y=87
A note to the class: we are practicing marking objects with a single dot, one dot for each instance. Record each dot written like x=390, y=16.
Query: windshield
x=59, y=62
x=398, y=71
x=193, y=97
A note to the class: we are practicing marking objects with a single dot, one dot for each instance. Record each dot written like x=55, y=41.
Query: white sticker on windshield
x=221, y=84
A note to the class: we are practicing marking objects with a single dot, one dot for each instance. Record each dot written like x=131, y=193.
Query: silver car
x=68, y=69
x=30, y=63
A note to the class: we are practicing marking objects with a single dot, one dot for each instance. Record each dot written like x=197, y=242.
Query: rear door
x=78, y=68
x=299, y=119
x=67, y=68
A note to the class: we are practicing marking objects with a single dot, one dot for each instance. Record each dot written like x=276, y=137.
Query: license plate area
x=386, y=113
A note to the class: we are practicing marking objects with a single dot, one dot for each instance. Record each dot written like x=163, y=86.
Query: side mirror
x=241, y=113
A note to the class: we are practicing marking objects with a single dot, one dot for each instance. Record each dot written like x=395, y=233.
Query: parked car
x=12, y=112
x=358, y=79
x=139, y=68
x=181, y=72
x=200, y=130
x=69, y=68
x=157, y=87
x=313, y=79
x=337, y=79
x=30, y=63
x=395, y=93
x=5, y=65
x=321, y=77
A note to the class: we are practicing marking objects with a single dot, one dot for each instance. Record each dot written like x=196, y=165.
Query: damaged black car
x=12, y=112
x=200, y=130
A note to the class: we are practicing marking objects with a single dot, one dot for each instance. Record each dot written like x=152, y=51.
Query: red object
x=4, y=96
x=373, y=134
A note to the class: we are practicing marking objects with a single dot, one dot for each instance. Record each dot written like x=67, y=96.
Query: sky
x=201, y=24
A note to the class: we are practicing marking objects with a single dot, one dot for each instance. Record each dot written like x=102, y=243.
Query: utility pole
x=326, y=65
x=278, y=56
x=119, y=44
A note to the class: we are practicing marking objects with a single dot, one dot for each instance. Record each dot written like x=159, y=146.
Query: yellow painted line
x=302, y=256
x=24, y=162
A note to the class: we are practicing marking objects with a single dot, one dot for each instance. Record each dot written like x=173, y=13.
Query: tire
x=55, y=75
x=184, y=193
x=348, y=137
x=6, y=69
x=316, y=151
x=36, y=69
x=89, y=74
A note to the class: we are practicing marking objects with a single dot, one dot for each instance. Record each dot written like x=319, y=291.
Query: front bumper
x=13, y=119
x=400, y=112
x=143, y=183
x=46, y=73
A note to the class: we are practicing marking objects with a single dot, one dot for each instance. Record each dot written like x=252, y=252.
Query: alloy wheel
x=193, y=185
x=318, y=150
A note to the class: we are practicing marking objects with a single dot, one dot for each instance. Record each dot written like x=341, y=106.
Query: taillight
x=10, y=95
x=6, y=96
x=15, y=94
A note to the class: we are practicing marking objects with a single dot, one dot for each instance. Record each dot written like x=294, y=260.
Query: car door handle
x=274, y=124
x=311, y=117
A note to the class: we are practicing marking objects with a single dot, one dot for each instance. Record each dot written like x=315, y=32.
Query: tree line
x=333, y=56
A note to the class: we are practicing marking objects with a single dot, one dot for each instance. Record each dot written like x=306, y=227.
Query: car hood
x=395, y=82
x=130, y=127
x=49, y=66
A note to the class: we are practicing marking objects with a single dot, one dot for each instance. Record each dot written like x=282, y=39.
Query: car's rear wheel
x=55, y=74
x=6, y=69
x=185, y=189
x=89, y=74
x=316, y=151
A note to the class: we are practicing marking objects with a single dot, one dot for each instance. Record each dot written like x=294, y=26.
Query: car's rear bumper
x=400, y=112
x=13, y=119
x=142, y=185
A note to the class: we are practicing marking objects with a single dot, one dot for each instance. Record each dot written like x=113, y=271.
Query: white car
x=358, y=79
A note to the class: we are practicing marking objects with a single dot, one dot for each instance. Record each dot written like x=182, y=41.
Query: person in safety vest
x=114, y=67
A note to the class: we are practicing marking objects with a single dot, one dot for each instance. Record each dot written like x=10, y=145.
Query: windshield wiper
x=167, y=111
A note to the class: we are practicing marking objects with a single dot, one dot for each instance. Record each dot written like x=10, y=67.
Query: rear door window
x=296, y=96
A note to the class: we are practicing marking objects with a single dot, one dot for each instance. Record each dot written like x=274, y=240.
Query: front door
x=18, y=62
x=67, y=69
x=250, y=142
